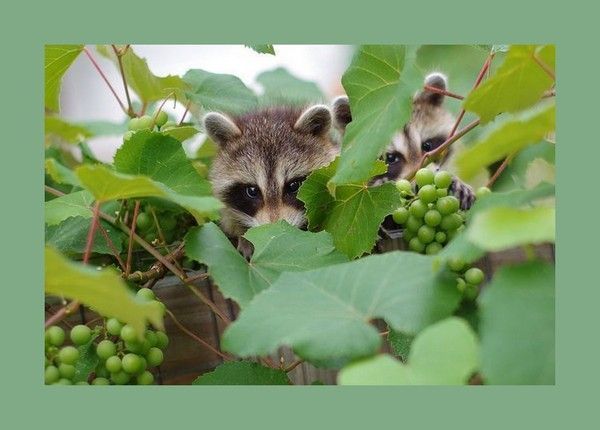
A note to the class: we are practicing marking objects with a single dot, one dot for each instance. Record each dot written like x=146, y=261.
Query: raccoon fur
x=429, y=126
x=263, y=157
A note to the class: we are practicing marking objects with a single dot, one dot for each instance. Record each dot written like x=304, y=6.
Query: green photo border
x=26, y=27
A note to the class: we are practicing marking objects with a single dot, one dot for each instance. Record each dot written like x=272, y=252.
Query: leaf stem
x=443, y=92
x=136, y=210
x=110, y=87
x=499, y=170
x=119, y=55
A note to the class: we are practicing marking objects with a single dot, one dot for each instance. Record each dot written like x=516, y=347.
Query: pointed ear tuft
x=220, y=128
x=341, y=112
x=315, y=120
x=435, y=80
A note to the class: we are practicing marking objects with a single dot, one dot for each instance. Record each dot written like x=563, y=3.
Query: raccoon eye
x=252, y=191
x=293, y=186
x=392, y=157
x=433, y=143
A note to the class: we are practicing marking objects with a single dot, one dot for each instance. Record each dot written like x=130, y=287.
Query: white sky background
x=85, y=96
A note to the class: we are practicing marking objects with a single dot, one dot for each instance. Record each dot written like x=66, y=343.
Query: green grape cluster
x=123, y=356
x=146, y=225
x=147, y=122
x=430, y=217
x=469, y=278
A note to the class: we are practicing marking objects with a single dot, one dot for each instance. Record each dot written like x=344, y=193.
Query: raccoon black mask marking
x=262, y=159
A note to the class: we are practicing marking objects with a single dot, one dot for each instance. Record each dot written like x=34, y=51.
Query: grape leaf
x=263, y=49
x=278, y=248
x=69, y=205
x=323, y=313
x=501, y=228
x=181, y=133
x=87, y=361
x=377, y=84
x=57, y=59
x=140, y=78
x=509, y=138
x=400, y=343
x=515, y=175
x=162, y=159
x=102, y=290
x=59, y=173
x=353, y=216
x=70, y=236
x=517, y=84
x=106, y=184
x=243, y=373
x=212, y=91
x=446, y=353
x=67, y=132
x=517, y=325
x=281, y=86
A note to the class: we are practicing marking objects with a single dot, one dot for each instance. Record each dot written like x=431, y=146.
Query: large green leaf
x=278, y=248
x=517, y=325
x=140, y=78
x=69, y=205
x=243, y=373
x=67, y=132
x=162, y=159
x=377, y=84
x=353, y=216
x=106, y=184
x=87, y=361
x=70, y=236
x=323, y=313
x=447, y=353
x=57, y=59
x=102, y=290
x=213, y=91
x=518, y=83
x=182, y=133
x=281, y=86
x=507, y=139
x=60, y=173
x=501, y=228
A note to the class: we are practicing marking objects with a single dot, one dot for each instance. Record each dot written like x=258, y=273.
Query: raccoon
x=429, y=126
x=263, y=157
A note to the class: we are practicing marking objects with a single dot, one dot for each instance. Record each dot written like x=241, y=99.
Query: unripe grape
x=471, y=291
x=128, y=334
x=428, y=193
x=51, y=374
x=168, y=124
x=132, y=363
x=440, y=237
x=134, y=124
x=474, y=276
x=447, y=205
x=120, y=378
x=145, y=293
x=161, y=118
x=81, y=334
x=404, y=187
x=82, y=383
x=64, y=381
x=151, y=338
x=55, y=335
x=432, y=218
x=113, y=364
x=482, y=191
x=102, y=371
x=100, y=381
x=433, y=248
x=442, y=179
x=407, y=235
x=162, y=340
x=461, y=285
x=154, y=357
x=106, y=349
x=451, y=222
x=416, y=245
x=413, y=223
x=400, y=215
x=424, y=177
x=145, y=378
x=146, y=122
x=143, y=221
x=426, y=234
x=114, y=326
x=127, y=135
x=456, y=264
x=418, y=208
x=66, y=370
x=68, y=355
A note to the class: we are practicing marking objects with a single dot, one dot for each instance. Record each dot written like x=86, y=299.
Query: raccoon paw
x=245, y=247
x=463, y=192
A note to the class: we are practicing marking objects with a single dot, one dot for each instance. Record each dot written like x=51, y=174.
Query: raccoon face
x=263, y=158
x=429, y=126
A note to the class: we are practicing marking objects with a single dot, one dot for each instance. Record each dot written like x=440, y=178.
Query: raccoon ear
x=220, y=128
x=315, y=120
x=341, y=112
x=435, y=80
